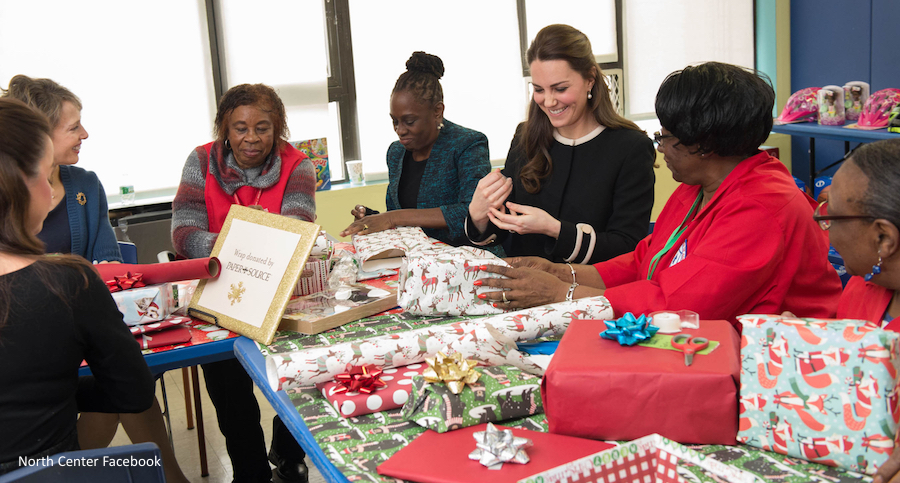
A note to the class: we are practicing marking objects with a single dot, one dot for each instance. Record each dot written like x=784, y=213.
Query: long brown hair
x=24, y=133
x=563, y=42
x=45, y=95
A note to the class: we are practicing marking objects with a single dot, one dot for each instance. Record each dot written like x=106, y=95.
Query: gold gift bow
x=452, y=370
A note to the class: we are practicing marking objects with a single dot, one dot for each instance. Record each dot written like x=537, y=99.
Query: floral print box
x=821, y=390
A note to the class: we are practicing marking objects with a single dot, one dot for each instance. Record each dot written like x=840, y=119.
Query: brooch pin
x=81, y=198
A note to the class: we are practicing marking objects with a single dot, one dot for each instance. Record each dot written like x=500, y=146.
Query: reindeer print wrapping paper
x=822, y=390
x=501, y=393
x=442, y=283
x=389, y=244
x=488, y=340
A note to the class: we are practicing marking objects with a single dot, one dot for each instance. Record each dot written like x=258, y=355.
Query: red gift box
x=392, y=396
x=444, y=457
x=596, y=388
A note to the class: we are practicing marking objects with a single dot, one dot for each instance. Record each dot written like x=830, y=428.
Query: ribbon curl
x=125, y=282
x=453, y=370
x=365, y=379
x=495, y=447
x=629, y=331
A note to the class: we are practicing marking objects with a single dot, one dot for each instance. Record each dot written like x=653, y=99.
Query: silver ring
x=505, y=300
x=512, y=231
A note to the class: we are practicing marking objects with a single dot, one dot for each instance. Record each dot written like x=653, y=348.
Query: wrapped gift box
x=444, y=458
x=824, y=391
x=650, y=458
x=442, y=283
x=313, y=278
x=399, y=381
x=596, y=388
x=501, y=393
x=145, y=304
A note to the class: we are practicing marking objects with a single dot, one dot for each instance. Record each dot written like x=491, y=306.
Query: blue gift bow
x=628, y=330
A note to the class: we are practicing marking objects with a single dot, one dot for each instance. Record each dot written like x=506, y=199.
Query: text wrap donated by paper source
x=250, y=255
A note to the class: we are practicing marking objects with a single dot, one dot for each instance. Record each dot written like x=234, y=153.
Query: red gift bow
x=365, y=379
x=125, y=282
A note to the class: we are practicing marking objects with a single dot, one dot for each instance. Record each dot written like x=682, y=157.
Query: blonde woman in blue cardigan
x=434, y=167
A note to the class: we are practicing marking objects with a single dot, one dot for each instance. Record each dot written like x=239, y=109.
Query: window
x=662, y=37
x=478, y=43
x=148, y=97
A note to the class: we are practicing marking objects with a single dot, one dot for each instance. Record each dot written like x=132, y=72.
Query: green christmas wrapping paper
x=501, y=393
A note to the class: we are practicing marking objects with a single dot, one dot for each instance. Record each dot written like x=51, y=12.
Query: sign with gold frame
x=262, y=256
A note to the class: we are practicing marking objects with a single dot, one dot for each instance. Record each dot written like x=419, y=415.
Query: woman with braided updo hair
x=434, y=167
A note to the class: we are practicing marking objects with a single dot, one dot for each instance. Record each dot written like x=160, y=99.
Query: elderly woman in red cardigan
x=251, y=164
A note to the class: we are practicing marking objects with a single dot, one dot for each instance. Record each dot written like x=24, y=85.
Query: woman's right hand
x=557, y=269
x=491, y=192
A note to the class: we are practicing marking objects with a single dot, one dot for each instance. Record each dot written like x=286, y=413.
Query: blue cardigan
x=458, y=160
x=92, y=235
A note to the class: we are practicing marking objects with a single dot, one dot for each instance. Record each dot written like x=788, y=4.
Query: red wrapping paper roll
x=153, y=273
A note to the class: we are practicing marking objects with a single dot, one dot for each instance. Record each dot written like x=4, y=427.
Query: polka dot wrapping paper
x=349, y=404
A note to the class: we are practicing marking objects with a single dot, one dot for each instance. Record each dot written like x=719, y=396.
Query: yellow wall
x=333, y=206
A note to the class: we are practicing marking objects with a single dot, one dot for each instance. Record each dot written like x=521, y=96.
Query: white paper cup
x=355, y=173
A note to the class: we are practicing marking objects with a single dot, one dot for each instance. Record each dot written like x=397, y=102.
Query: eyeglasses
x=824, y=219
x=658, y=137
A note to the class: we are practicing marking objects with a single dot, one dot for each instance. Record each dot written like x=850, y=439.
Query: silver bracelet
x=571, y=292
x=573, y=271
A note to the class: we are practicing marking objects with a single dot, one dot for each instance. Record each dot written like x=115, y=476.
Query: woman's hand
x=491, y=192
x=888, y=472
x=369, y=224
x=525, y=287
x=358, y=212
x=558, y=270
x=524, y=219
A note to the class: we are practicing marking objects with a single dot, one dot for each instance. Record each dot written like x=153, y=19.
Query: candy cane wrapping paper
x=442, y=282
x=488, y=340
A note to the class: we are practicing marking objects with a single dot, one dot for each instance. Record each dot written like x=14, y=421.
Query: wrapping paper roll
x=490, y=340
x=154, y=273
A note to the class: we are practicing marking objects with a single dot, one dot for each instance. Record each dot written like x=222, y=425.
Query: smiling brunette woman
x=434, y=167
x=736, y=237
x=578, y=181
x=251, y=164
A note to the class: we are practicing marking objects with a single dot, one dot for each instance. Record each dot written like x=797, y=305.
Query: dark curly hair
x=563, y=42
x=258, y=95
x=720, y=108
x=421, y=79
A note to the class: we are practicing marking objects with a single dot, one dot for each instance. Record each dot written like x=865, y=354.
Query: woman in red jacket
x=736, y=237
x=862, y=216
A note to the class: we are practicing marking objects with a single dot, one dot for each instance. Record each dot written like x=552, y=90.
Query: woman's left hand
x=525, y=287
x=523, y=219
x=369, y=224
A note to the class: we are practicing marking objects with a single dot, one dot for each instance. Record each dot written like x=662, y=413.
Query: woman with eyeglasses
x=736, y=237
x=578, y=182
x=862, y=217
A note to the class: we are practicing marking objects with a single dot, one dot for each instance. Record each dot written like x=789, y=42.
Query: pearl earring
x=590, y=96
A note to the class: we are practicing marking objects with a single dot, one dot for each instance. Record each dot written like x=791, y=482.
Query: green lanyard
x=675, y=236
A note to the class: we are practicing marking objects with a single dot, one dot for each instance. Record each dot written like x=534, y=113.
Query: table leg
x=188, y=411
x=201, y=435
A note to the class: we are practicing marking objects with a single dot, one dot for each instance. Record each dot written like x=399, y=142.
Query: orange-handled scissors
x=689, y=345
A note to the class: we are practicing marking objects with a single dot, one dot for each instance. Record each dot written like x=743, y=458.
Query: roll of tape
x=668, y=322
